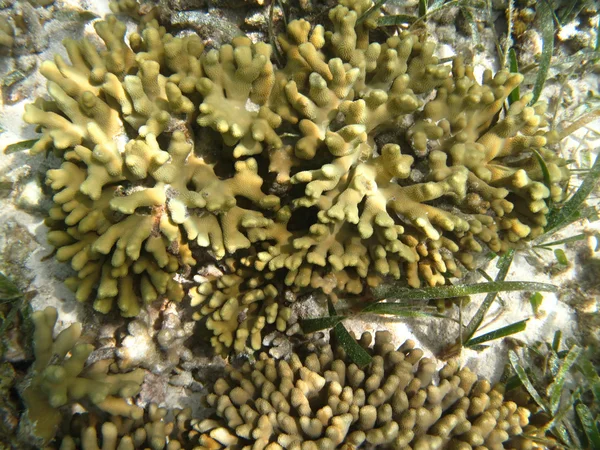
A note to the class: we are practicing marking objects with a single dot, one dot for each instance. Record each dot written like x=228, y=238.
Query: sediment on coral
x=354, y=161
x=320, y=400
x=61, y=376
x=157, y=344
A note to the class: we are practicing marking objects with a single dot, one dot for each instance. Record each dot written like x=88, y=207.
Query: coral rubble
x=322, y=401
x=353, y=161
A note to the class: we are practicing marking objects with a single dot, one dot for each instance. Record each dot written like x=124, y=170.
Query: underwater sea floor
x=24, y=251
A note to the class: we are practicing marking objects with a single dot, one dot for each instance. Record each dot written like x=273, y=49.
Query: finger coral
x=153, y=431
x=61, y=375
x=322, y=401
x=7, y=33
x=353, y=161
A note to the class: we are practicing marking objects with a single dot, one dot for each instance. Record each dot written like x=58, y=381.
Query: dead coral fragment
x=156, y=343
x=321, y=401
x=60, y=376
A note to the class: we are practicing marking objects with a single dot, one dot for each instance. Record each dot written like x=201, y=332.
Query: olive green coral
x=61, y=375
x=353, y=161
x=320, y=400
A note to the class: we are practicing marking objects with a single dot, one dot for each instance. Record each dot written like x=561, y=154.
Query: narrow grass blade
x=559, y=218
x=556, y=424
x=8, y=290
x=589, y=213
x=561, y=257
x=485, y=275
x=322, y=323
x=514, y=68
x=378, y=4
x=547, y=25
x=513, y=382
x=589, y=425
x=577, y=237
x=597, y=48
x=555, y=389
x=559, y=430
x=504, y=50
x=422, y=8
x=470, y=19
x=19, y=146
x=569, y=12
x=399, y=310
x=479, y=347
x=355, y=352
x=433, y=293
x=283, y=15
x=591, y=376
x=545, y=172
x=503, y=265
x=556, y=340
x=508, y=330
x=518, y=368
x=578, y=123
x=553, y=363
x=398, y=19
x=276, y=49
x=536, y=301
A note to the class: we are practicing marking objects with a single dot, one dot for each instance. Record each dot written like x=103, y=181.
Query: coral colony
x=353, y=162
x=320, y=400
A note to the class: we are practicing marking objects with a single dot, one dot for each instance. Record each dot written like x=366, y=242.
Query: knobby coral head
x=321, y=401
x=354, y=161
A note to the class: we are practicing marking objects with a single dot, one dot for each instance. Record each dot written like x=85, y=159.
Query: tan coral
x=127, y=244
x=320, y=400
x=238, y=81
x=60, y=375
x=151, y=431
x=238, y=306
x=355, y=158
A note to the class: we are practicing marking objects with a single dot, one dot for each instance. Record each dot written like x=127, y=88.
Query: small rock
x=210, y=27
x=31, y=197
x=16, y=246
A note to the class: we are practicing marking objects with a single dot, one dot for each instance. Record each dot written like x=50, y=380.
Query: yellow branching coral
x=7, y=33
x=152, y=431
x=238, y=306
x=60, y=375
x=354, y=161
x=322, y=401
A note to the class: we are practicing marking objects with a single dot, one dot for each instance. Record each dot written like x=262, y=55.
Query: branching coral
x=322, y=401
x=7, y=33
x=153, y=431
x=61, y=375
x=384, y=161
x=238, y=306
